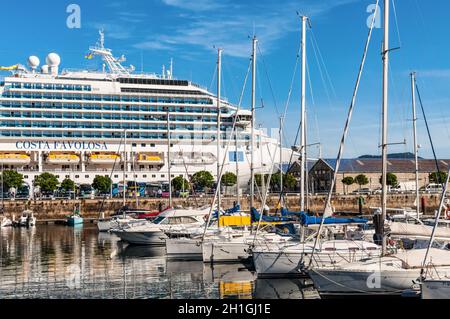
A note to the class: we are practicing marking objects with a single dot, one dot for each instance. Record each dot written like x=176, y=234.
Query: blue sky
x=151, y=32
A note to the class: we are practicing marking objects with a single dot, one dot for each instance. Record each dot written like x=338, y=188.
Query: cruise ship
x=115, y=122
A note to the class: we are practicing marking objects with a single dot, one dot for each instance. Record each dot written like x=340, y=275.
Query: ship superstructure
x=74, y=123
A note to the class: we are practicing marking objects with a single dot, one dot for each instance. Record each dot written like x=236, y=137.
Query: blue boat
x=75, y=218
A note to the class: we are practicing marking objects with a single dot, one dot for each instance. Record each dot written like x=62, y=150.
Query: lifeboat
x=62, y=158
x=104, y=157
x=14, y=158
x=150, y=158
x=193, y=158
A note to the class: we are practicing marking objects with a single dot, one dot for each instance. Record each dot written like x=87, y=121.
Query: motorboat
x=125, y=216
x=5, y=222
x=153, y=233
x=27, y=219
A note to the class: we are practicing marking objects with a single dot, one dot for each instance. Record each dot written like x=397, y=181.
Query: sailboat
x=394, y=271
x=75, y=218
x=293, y=258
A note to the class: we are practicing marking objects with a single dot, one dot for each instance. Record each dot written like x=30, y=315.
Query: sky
x=151, y=32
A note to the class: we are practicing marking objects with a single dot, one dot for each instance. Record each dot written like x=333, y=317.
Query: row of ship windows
x=106, y=107
x=115, y=176
x=106, y=98
x=115, y=125
x=112, y=116
x=50, y=86
x=118, y=135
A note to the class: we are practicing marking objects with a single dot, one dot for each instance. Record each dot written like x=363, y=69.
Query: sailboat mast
x=384, y=142
x=303, y=117
x=281, y=158
x=124, y=170
x=238, y=196
x=219, y=75
x=252, y=153
x=416, y=150
x=168, y=159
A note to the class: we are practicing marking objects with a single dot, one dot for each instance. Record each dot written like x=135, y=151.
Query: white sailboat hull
x=153, y=237
x=184, y=248
x=225, y=251
x=436, y=289
x=107, y=225
x=292, y=261
x=382, y=275
x=329, y=282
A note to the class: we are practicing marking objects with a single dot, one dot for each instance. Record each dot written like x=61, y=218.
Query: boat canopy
x=305, y=219
x=269, y=219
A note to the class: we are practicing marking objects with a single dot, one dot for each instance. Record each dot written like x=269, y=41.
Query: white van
x=433, y=188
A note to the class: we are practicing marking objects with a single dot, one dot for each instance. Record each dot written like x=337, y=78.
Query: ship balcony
x=14, y=158
x=103, y=158
x=150, y=158
x=62, y=158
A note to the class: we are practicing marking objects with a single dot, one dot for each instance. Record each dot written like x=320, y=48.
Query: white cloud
x=113, y=31
x=195, y=5
x=230, y=27
x=434, y=73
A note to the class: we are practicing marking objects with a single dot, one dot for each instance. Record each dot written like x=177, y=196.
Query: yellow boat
x=14, y=158
x=62, y=158
x=104, y=157
x=150, y=158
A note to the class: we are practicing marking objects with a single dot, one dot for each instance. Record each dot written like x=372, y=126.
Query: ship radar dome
x=33, y=62
x=53, y=59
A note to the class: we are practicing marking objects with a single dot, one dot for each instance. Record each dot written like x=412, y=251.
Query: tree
x=68, y=185
x=179, y=183
x=11, y=179
x=289, y=181
x=361, y=180
x=102, y=184
x=258, y=179
x=348, y=180
x=391, y=179
x=228, y=179
x=202, y=179
x=46, y=181
x=437, y=178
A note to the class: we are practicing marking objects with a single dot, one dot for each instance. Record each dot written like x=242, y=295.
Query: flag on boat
x=88, y=56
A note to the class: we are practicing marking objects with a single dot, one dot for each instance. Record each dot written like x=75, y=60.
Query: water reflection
x=55, y=261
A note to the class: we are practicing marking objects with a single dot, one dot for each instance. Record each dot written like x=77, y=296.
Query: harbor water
x=56, y=261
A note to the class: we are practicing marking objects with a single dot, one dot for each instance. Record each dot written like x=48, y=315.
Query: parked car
x=362, y=191
x=433, y=188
